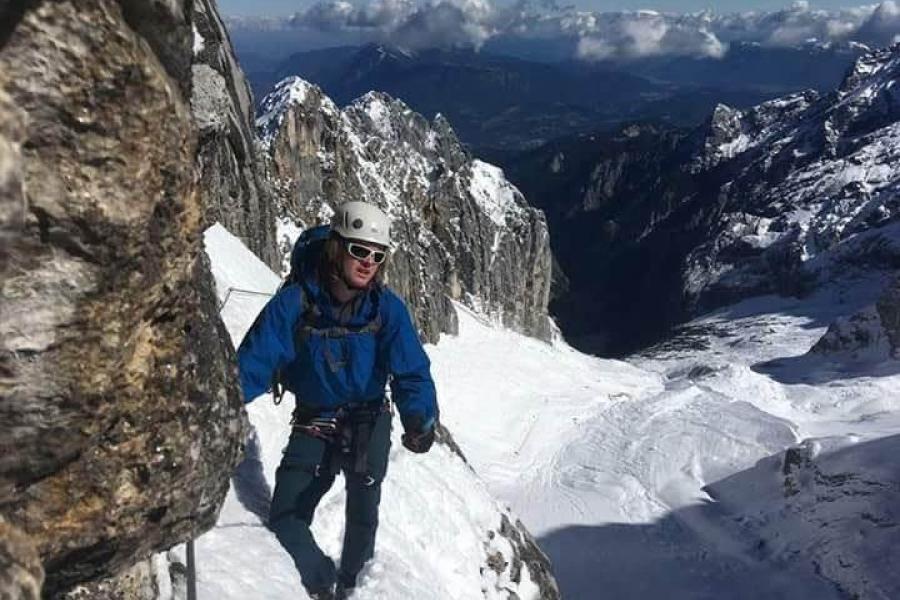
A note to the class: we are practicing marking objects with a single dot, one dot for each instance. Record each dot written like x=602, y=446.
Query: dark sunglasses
x=360, y=252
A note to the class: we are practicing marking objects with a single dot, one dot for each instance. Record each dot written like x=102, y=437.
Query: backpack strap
x=305, y=327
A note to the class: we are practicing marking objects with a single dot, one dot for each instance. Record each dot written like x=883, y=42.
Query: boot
x=326, y=594
x=341, y=592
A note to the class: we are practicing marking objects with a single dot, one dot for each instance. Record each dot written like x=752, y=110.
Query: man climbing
x=333, y=336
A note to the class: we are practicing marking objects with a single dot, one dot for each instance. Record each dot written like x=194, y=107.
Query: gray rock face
x=135, y=583
x=233, y=185
x=462, y=231
x=119, y=408
x=804, y=175
x=527, y=552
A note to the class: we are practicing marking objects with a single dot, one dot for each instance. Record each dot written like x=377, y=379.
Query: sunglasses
x=360, y=252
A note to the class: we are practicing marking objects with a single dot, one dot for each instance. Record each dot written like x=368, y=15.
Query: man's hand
x=418, y=438
x=418, y=443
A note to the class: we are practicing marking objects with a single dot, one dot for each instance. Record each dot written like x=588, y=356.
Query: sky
x=279, y=8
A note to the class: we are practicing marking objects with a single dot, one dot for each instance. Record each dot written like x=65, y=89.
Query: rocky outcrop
x=525, y=551
x=235, y=191
x=135, y=583
x=461, y=231
x=871, y=334
x=832, y=505
x=512, y=552
x=120, y=413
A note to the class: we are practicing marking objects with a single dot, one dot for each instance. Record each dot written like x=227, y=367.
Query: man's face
x=358, y=262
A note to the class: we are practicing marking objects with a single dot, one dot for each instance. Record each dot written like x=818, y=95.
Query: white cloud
x=619, y=35
x=439, y=23
x=645, y=33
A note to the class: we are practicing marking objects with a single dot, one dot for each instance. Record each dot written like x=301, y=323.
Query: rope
x=235, y=290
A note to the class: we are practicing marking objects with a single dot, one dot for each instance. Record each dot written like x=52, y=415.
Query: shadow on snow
x=700, y=552
x=249, y=481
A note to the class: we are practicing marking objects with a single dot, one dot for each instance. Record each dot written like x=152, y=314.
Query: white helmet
x=362, y=221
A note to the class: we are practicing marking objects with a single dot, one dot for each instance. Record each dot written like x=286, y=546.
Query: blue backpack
x=305, y=253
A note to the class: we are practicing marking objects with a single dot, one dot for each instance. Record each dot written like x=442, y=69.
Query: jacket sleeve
x=269, y=345
x=412, y=387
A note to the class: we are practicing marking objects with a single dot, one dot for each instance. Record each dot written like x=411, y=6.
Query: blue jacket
x=327, y=372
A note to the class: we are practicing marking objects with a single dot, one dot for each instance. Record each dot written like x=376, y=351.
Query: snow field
x=610, y=463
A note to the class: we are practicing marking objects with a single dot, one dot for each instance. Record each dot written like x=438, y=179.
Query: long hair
x=332, y=258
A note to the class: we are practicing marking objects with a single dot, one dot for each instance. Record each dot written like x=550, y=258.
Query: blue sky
x=286, y=7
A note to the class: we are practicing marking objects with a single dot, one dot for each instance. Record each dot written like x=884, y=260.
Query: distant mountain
x=514, y=96
x=652, y=224
x=499, y=101
x=749, y=66
x=491, y=100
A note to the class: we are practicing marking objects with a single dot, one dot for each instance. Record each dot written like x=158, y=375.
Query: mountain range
x=651, y=223
x=502, y=102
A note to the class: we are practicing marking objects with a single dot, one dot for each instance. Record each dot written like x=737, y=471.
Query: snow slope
x=661, y=477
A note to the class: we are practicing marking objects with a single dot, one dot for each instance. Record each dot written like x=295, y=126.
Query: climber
x=333, y=336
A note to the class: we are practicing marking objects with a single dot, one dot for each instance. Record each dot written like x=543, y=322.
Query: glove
x=418, y=438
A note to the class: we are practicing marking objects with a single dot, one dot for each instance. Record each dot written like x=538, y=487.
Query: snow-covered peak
x=869, y=96
x=884, y=62
x=380, y=112
x=730, y=132
x=289, y=92
x=496, y=196
x=816, y=173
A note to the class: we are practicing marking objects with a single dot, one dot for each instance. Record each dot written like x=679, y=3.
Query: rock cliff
x=235, y=191
x=119, y=411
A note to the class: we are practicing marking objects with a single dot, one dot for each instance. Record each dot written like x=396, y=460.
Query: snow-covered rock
x=829, y=501
x=816, y=173
x=872, y=334
x=462, y=231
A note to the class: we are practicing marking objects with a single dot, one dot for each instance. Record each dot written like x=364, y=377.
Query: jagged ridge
x=462, y=231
